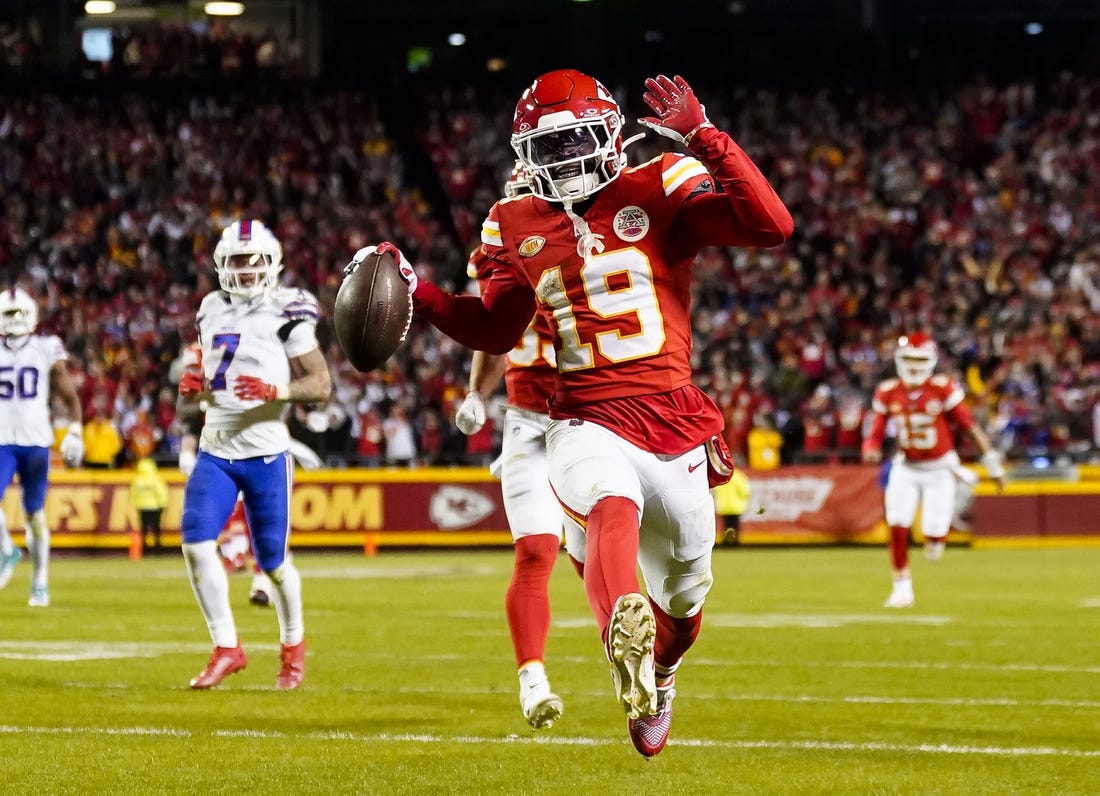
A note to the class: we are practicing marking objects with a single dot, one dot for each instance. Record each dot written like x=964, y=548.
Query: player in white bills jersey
x=32, y=367
x=604, y=253
x=259, y=350
x=535, y=518
x=924, y=408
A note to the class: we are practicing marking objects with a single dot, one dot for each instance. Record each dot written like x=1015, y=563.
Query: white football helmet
x=915, y=359
x=248, y=259
x=18, y=313
x=568, y=134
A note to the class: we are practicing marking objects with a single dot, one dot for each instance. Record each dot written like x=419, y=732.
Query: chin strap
x=588, y=242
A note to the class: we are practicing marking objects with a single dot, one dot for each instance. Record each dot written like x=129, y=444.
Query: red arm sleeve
x=962, y=416
x=493, y=322
x=748, y=213
x=873, y=443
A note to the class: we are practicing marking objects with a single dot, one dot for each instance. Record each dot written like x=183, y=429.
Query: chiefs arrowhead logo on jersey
x=457, y=507
x=532, y=246
x=631, y=223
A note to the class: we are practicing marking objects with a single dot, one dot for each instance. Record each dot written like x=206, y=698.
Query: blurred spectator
x=764, y=443
x=102, y=441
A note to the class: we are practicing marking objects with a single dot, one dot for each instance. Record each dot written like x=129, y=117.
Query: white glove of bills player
x=72, y=446
x=470, y=416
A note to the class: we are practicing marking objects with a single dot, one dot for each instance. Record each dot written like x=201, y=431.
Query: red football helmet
x=915, y=358
x=568, y=134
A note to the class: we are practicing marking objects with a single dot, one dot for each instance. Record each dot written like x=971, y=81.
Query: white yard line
x=558, y=740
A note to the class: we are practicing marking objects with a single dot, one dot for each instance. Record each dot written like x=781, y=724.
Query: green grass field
x=800, y=683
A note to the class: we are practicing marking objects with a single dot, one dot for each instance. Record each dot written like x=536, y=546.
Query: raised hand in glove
x=72, y=445
x=190, y=383
x=680, y=115
x=250, y=388
x=471, y=414
x=403, y=264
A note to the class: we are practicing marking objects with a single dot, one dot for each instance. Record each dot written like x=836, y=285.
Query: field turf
x=800, y=683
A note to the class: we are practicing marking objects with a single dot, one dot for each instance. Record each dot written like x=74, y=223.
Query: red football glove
x=250, y=388
x=190, y=383
x=403, y=264
x=679, y=114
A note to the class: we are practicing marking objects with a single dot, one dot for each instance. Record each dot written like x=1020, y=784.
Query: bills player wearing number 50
x=604, y=253
x=31, y=367
x=259, y=351
x=920, y=403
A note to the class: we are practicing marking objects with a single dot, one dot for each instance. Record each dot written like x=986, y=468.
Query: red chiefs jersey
x=532, y=372
x=920, y=415
x=620, y=316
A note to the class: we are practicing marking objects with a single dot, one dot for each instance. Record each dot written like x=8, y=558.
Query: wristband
x=76, y=428
x=688, y=138
x=282, y=392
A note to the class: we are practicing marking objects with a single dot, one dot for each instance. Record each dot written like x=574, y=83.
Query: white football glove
x=994, y=464
x=470, y=416
x=72, y=445
x=403, y=264
x=187, y=461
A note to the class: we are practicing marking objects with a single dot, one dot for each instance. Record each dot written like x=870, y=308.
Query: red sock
x=611, y=565
x=899, y=546
x=674, y=637
x=527, y=602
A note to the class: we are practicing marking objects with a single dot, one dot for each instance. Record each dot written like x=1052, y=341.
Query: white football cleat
x=933, y=549
x=631, y=634
x=541, y=706
x=7, y=565
x=40, y=598
x=901, y=596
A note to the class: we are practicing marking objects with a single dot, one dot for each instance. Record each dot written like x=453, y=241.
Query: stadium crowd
x=971, y=214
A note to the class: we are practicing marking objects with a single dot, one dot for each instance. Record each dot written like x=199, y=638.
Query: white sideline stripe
x=474, y=740
x=783, y=620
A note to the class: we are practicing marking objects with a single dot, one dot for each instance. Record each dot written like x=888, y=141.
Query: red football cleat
x=293, y=670
x=649, y=734
x=224, y=661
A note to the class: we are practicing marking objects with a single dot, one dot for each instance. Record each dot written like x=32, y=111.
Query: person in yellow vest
x=149, y=496
x=764, y=443
x=730, y=501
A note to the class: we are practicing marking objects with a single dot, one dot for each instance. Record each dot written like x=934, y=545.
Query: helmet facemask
x=18, y=313
x=573, y=159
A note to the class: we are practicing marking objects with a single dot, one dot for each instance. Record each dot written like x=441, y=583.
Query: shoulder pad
x=296, y=304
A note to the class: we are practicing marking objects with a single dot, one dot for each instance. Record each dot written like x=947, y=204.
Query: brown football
x=373, y=311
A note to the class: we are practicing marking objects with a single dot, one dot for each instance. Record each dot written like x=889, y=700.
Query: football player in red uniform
x=604, y=253
x=536, y=520
x=921, y=403
x=534, y=515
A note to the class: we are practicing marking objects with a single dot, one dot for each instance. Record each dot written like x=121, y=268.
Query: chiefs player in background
x=924, y=407
x=604, y=253
x=534, y=516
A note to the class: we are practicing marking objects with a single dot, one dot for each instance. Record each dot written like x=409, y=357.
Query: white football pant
x=589, y=462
